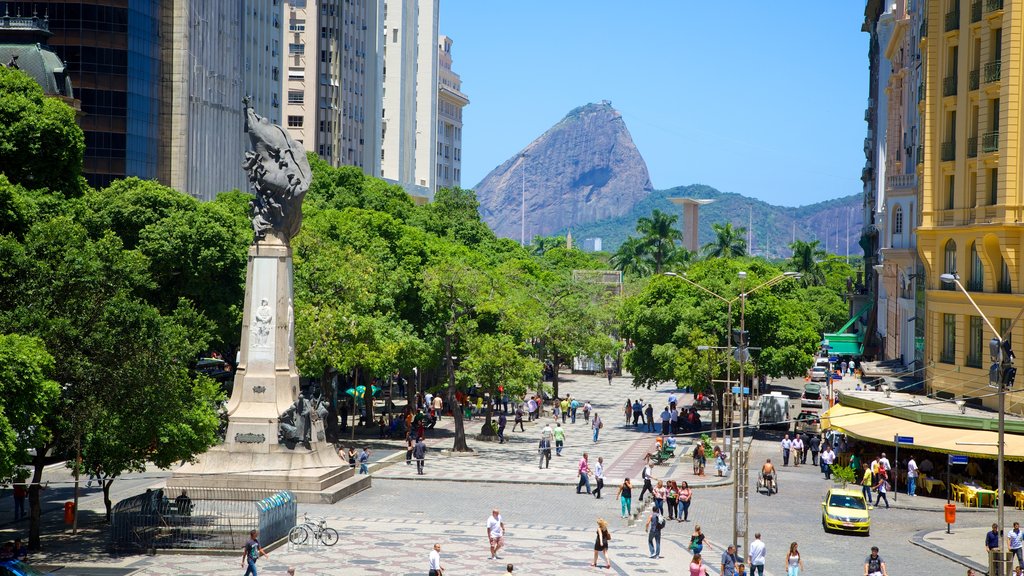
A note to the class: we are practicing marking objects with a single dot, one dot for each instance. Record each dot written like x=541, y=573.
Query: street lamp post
x=955, y=279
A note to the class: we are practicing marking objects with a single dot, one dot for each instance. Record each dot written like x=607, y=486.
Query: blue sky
x=759, y=97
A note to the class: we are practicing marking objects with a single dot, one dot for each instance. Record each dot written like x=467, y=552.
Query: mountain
x=582, y=170
x=836, y=223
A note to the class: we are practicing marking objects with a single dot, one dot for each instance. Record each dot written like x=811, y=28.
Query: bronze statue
x=279, y=173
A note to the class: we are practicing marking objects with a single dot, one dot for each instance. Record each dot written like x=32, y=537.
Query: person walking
x=660, y=494
x=584, y=471
x=364, y=461
x=599, y=476
x=697, y=567
x=655, y=522
x=409, y=444
x=697, y=540
x=20, y=493
x=597, y=424
x=587, y=409
x=574, y=405
x=625, y=495
x=757, y=555
x=638, y=412
x=434, y=561
x=666, y=418
x=564, y=405
x=815, y=446
x=251, y=552
x=874, y=565
x=628, y=410
x=794, y=564
x=645, y=475
x=419, y=452
x=798, y=450
x=609, y=373
x=700, y=458
x=495, y=533
x=672, y=499
x=519, y=420
x=559, y=435
x=685, y=494
x=828, y=457
x=729, y=561
x=649, y=413
x=502, y=422
x=866, y=481
x=787, y=445
x=1015, y=542
x=601, y=543
x=544, y=448
x=992, y=539
x=912, y=474
x=720, y=465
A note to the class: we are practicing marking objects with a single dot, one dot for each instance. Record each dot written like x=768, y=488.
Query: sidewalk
x=964, y=546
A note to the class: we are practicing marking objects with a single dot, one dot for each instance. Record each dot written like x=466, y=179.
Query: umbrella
x=360, y=391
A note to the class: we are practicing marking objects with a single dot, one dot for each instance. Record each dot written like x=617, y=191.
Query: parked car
x=808, y=422
x=845, y=510
x=819, y=374
x=812, y=396
x=19, y=568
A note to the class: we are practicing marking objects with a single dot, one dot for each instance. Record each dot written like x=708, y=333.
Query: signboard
x=736, y=390
x=833, y=358
x=954, y=459
x=905, y=440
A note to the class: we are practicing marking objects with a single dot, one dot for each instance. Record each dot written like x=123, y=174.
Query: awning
x=879, y=428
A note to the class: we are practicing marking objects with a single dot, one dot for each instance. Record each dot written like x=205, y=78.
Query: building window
x=297, y=25
x=897, y=220
x=950, y=192
x=976, y=283
x=975, y=342
x=294, y=48
x=296, y=97
x=1004, y=330
x=296, y=74
x=949, y=266
x=1005, y=284
x=295, y=121
x=993, y=187
x=948, y=355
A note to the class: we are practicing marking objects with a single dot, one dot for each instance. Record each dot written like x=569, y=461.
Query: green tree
x=632, y=258
x=542, y=244
x=499, y=365
x=659, y=236
x=27, y=395
x=728, y=243
x=805, y=261
x=41, y=145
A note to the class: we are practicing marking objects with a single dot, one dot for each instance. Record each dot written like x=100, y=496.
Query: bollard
x=69, y=512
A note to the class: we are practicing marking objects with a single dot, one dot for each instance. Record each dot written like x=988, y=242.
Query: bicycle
x=317, y=528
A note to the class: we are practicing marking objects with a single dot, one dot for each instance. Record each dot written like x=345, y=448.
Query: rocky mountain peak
x=583, y=169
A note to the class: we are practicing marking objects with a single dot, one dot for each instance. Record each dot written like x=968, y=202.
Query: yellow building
x=971, y=186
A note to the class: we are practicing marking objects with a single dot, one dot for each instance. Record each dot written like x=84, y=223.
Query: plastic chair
x=1018, y=498
x=958, y=492
x=969, y=496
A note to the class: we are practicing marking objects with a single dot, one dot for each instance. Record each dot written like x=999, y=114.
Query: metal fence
x=200, y=518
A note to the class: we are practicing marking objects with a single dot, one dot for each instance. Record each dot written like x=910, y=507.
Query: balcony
x=972, y=147
x=949, y=86
x=993, y=71
x=948, y=151
x=976, y=11
x=990, y=141
x=993, y=5
x=952, y=20
x=973, y=80
x=900, y=181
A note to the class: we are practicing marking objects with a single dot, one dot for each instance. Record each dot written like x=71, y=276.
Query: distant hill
x=834, y=222
x=583, y=169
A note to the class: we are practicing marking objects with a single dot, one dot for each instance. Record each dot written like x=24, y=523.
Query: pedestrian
x=794, y=564
x=697, y=540
x=409, y=447
x=666, y=418
x=912, y=474
x=559, y=434
x=646, y=476
x=685, y=494
x=502, y=422
x=251, y=552
x=625, y=495
x=874, y=565
x=610, y=374
x=649, y=413
x=720, y=465
x=587, y=409
x=597, y=424
x=673, y=420
x=557, y=411
x=729, y=561
x=519, y=419
x=697, y=567
x=672, y=499
x=787, y=445
x=1015, y=542
x=700, y=459
x=815, y=445
x=434, y=562
x=599, y=476
x=574, y=405
x=419, y=452
x=827, y=458
x=756, y=555
x=866, y=481
x=992, y=539
x=655, y=522
x=364, y=460
x=638, y=412
x=437, y=405
x=565, y=408
x=20, y=493
x=672, y=401
x=601, y=543
x=584, y=472
x=547, y=432
x=352, y=456
x=495, y=533
x=544, y=448
x=628, y=410
x=798, y=449
x=660, y=494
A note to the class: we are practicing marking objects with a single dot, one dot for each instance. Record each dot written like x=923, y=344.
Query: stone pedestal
x=266, y=385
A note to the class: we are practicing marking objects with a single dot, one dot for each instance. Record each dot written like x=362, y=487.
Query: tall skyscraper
x=450, y=102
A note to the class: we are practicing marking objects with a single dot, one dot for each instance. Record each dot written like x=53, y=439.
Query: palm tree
x=632, y=257
x=659, y=235
x=805, y=261
x=729, y=242
x=542, y=244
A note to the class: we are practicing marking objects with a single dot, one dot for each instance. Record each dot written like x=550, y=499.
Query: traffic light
x=1010, y=376
x=741, y=337
x=995, y=350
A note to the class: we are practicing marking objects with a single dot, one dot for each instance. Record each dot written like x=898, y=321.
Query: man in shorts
x=495, y=533
x=874, y=565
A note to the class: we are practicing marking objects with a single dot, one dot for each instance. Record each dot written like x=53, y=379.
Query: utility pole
x=848, y=235
x=750, y=230
x=522, y=204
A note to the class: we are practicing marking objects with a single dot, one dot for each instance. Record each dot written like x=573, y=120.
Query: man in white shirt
x=1015, y=542
x=547, y=432
x=599, y=476
x=756, y=556
x=912, y=474
x=883, y=462
x=434, y=563
x=828, y=457
x=786, y=444
x=798, y=450
x=495, y=533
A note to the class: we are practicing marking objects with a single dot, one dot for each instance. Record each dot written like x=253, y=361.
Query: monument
x=275, y=437
x=691, y=220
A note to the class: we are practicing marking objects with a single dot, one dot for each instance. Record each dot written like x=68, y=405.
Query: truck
x=773, y=411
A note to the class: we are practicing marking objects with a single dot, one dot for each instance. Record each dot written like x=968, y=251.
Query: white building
x=450, y=102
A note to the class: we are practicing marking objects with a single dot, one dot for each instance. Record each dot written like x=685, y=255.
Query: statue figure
x=261, y=324
x=296, y=422
x=279, y=173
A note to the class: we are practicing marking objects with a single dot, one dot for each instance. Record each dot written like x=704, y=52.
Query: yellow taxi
x=845, y=510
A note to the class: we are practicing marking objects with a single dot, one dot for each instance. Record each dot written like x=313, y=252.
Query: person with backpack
x=647, y=475
x=596, y=423
x=654, y=525
x=251, y=552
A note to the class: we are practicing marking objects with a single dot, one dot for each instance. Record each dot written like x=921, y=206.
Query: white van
x=773, y=411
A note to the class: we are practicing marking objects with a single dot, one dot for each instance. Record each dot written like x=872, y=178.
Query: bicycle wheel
x=298, y=535
x=329, y=536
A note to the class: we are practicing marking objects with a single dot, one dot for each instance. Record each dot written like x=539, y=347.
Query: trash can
x=950, y=513
x=69, y=512
x=999, y=562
